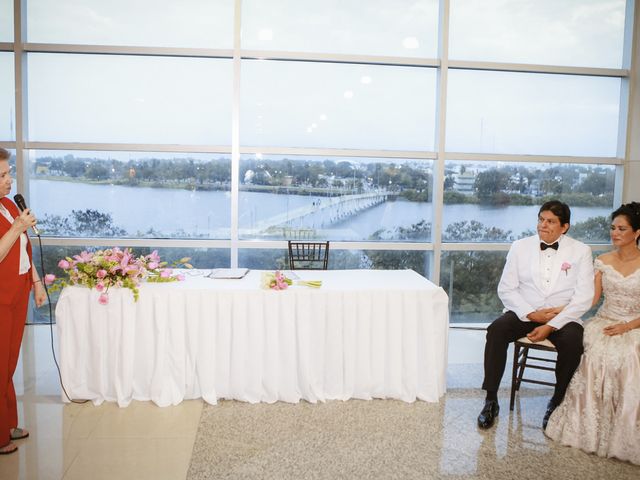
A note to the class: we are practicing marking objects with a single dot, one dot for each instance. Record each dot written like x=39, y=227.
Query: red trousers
x=12, y=319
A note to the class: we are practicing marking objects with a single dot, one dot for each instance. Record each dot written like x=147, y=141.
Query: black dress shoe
x=488, y=414
x=551, y=406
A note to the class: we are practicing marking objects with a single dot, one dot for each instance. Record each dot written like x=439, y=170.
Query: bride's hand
x=617, y=329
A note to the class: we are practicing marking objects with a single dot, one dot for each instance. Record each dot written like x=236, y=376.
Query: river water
x=207, y=213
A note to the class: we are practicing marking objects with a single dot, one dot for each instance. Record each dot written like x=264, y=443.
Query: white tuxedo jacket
x=521, y=285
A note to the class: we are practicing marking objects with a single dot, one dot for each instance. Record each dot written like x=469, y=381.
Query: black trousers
x=508, y=328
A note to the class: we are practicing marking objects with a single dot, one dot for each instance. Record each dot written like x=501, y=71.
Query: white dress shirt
x=546, y=265
x=24, y=256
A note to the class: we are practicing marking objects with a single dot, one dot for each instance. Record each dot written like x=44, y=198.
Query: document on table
x=228, y=273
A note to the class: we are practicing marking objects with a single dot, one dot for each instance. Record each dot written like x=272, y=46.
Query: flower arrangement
x=114, y=268
x=565, y=267
x=278, y=281
x=275, y=280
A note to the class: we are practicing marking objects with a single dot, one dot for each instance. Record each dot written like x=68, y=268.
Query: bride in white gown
x=601, y=410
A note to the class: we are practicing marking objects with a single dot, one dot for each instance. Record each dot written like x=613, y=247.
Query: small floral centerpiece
x=275, y=280
x=278, y=281
x=114, y=267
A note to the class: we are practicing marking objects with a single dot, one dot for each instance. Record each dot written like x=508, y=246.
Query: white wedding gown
x=601, y=410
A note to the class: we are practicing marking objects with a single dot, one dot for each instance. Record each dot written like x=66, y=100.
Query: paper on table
x=228, y=273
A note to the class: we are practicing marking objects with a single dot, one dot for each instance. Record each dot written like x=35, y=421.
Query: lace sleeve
x=598, y=265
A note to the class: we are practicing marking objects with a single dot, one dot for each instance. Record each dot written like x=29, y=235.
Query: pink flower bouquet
x=278, y=281
x=114, y=267
x=275, y=281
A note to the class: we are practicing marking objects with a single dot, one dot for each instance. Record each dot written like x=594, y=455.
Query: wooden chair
x=308, y=255
x=522, y=359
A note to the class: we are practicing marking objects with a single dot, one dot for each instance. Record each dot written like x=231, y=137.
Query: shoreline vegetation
x=576, y=199
x=483, y=183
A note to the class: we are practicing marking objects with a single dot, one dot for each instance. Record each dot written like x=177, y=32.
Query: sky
x=110, y=98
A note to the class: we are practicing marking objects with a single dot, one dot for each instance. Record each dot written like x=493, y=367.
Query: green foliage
x=451, y=197
x=81, y=223
x=471, y=278
x=595, y=229
x=490, y=182
x=471, y=281
x=474, y=231
x=395, y=259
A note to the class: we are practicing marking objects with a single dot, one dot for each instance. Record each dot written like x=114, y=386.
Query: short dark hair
x=631, y=211
x=559, y=209
x=4, y=154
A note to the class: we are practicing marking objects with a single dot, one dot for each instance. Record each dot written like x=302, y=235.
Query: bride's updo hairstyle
x=632, y=212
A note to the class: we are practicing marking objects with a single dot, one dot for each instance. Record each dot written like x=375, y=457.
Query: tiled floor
x=144, y=441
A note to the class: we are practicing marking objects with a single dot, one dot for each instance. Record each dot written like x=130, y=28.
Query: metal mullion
x=235, y=134
x=628, y=175
x=500, y=247
x=339, y=152
x=344, y=245
x=278, y=55
x=128, y=147
x=6, y=47
x=437, y=200
x=523, y=158
x=20, y=98
x=135, y=242
x=478, y=247
x=127, y=50
x=630, y=190
x=535, y=68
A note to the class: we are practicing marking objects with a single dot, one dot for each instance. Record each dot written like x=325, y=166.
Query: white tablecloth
x=364, y=334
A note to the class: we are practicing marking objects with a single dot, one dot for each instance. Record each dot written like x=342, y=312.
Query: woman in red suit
x=17, y=277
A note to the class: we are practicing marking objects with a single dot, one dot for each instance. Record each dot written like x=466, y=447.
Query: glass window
x=499, y=201
x=586, y=33
x=537, y=114
x=161, y=23
x=7, y=97
x=335, y=198
x=471, y=300
x=419, y=260
x=6, y=21
x=129, y=99
x=200, y=258
x=406, y=28
x=122, y=194
x=303, y=104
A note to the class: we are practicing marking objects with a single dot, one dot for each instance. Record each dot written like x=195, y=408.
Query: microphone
x=22, y=205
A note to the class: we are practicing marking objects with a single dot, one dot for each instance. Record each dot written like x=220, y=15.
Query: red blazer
x=9, y=266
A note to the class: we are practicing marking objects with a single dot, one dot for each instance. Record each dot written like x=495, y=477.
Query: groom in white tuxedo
x=546, y=286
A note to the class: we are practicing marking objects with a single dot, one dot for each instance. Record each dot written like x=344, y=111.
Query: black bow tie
x=544, y=246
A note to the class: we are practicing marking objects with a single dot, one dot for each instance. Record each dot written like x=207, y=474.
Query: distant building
x=42, y=169
x=464, y=182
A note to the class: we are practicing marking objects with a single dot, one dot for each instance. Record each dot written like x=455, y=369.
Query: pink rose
x=153, y=265
x=99, y=286
x=565, y=267
x=180, y=277
x=103, y=299
x=49, y=278
x=165, y=274
x=63, y=264
x=101, y=273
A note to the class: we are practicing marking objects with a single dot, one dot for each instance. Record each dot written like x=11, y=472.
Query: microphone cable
x=51, y=317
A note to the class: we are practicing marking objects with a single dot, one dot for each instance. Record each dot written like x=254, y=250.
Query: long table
x=364, y=334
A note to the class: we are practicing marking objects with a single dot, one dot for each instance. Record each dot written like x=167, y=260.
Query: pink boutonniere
x=565, y=267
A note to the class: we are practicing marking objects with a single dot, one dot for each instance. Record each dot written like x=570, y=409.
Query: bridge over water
x=321, y=213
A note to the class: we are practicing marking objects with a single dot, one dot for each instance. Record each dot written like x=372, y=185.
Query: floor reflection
x=353, y=439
